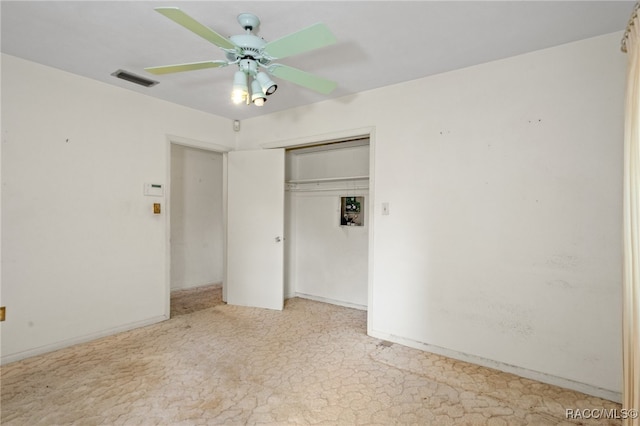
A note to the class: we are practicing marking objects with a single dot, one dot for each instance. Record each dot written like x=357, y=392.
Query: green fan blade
x=191, y=24
x=186, y=67
x=309, y=38
x=302, y=78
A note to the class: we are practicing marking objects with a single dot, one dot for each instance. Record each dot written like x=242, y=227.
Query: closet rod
x=329, y=179
x=343, y=189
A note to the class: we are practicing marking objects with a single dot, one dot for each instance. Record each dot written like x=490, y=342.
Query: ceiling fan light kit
x=240, y=91
x=257, y=95
x=267, y=85
x=254, y=56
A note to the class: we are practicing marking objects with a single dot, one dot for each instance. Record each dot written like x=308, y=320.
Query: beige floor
x=309, y=364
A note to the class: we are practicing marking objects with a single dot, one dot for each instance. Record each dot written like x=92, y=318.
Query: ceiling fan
x=254, y=56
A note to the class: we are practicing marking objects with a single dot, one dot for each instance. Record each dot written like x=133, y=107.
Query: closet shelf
x=329, y=179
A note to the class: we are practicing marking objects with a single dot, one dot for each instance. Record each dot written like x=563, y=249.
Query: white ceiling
x=379, y=42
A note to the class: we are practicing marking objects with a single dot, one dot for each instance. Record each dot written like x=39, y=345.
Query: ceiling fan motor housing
x=248, y=46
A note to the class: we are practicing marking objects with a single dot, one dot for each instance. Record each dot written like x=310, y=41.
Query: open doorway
x=196, y=229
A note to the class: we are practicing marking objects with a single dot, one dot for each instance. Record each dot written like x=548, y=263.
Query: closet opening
x=326, y=222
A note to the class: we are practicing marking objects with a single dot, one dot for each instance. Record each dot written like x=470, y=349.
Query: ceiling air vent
x=126, y=75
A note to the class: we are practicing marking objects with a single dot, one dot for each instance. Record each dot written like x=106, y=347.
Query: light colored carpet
x=311, y=363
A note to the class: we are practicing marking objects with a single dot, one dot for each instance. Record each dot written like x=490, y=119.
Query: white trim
x=507, y=368
x=225, y=198
x=78, y=340
x=167, y=229
x=331, y=301
x=371, y=219
x=193, y=143
x=314, y=139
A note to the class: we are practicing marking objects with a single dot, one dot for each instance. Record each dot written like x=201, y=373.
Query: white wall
x=340, y=160
x=196, y=217
x=328, y=262
x=83, y=255
x=503, y=243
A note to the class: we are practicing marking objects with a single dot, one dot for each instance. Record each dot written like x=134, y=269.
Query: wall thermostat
x=154, y=189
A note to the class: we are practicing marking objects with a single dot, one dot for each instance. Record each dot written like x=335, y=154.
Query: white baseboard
x=196, y=286
x=331, y=301
x=496, y=365
x=6, y=359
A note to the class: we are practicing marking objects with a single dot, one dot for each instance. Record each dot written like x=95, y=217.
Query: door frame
x=344, y=135
x=206, y=146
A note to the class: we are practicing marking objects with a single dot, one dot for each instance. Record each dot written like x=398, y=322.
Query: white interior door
x=255, y=226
